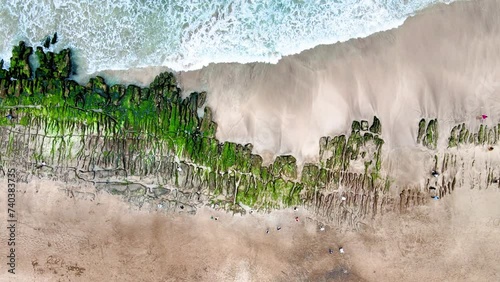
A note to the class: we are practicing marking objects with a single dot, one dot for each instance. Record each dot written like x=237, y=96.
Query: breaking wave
x=186, y=35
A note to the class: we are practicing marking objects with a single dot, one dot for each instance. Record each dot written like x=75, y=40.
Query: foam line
x=187, y=35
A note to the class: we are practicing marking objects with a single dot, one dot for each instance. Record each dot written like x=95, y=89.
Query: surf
x=187, y=35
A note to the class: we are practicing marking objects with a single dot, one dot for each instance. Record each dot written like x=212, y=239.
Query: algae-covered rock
x=54, y=39
x=98, y=85
x=3, y=73
x=428, y=135
x=367, y=137
x=460, y=134
x=310, y=174
x=454, y=137
x=208, y=127
x=249, y=147
x=464, y=134
x=481, y=134
x=43, y=70
x=323, y=142
x=46, y=44
x=364, y=125
x=421, y=130
x=378, y=141
x=285, y=166
x=62, y=64
x=20, y=67
x=155, y=134
x=491, y=138
x=228, y=155
x=53, y=65
x=354, y=142
x=430, y=139
x=356, y=126
x=376, y=126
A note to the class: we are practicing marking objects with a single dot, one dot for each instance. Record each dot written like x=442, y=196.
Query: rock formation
x=150, y=146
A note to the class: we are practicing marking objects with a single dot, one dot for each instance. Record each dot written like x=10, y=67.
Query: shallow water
x=185, y=35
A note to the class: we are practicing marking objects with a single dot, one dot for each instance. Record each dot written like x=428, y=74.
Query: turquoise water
x=185, y=35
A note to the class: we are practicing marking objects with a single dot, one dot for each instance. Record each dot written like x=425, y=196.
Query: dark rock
x=54, y=39
x=285, y=166
x=376, y=126
x=46, y=44
x=356, y=126
x=364, y=125
x=155, y=134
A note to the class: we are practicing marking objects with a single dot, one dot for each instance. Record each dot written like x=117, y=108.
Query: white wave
x=186, y=35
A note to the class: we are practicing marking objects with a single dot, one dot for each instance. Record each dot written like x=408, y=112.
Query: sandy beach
x=73, y=233
x=442, y=63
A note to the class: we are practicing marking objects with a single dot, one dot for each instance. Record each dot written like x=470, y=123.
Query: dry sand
x=106, y=238
x=443, y=63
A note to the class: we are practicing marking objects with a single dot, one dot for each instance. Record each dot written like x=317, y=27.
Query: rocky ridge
x=150, y=146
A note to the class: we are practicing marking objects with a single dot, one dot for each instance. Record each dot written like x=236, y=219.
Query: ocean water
x=188, y=34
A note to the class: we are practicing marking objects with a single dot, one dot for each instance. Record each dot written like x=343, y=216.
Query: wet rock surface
x=150, y=146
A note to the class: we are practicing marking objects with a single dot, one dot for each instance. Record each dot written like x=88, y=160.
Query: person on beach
x=482, y=117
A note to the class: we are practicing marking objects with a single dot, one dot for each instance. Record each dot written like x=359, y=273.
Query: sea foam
x=187, y=35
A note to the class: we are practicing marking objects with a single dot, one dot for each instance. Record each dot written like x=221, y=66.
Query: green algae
x=154, y=131
x=428, y=136
x=461, y=135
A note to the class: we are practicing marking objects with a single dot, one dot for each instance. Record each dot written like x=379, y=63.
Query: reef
x=158, y=150
x=428, y=136
x=461, y=135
